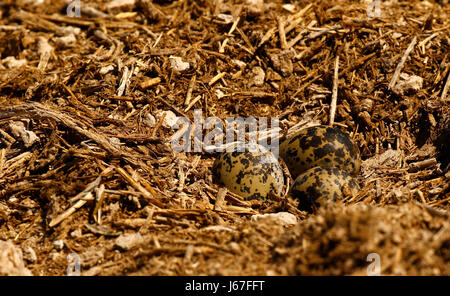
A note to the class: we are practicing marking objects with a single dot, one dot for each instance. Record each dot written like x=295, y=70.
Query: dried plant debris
x=340, y=239
x=89, y=100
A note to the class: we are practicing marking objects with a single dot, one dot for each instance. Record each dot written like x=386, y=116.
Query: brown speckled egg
x=313, y=187
x=250, y=174
x=320, y=146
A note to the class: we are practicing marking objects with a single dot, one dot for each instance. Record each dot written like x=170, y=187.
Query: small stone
x=227, y=18
x=169, y=120
x=106, y=69
x=76, y=233
x=234, y=246
x=258, y=76
x=177, y=64
x=64, y=31
x=282, y=61
x=255, y=7
x=29, y=254
x=218, y=228
x=408, y=84
x=114, y=141
x=12, y=62
x=128, y=241
x=220, y=94
x=120, y=3
x=60, y=102
x=289, y=7
x=59, y=244
x=18, y=130
x=65, y=41
x=389, y=158
x=54, y=256
x=239, y=63
x=11, y=260
x=150, y=120
x=281, y=218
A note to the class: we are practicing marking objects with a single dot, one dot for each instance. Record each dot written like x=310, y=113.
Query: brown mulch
x=87, y=168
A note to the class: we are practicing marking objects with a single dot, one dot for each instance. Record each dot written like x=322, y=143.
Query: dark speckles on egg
x=251, y=175
x=315, y=141
x=318, y=184
x=244, y=162
x=340, y=153
x=320, y=146
x=322, y=151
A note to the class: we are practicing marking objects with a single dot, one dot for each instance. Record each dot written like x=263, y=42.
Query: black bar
x=233, y=286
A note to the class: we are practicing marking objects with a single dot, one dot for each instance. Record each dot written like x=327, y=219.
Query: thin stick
x=282, y=33
x=423, y=164
x=91, y=186
x=269, y=34
x=446, y=87
x=14, y=163
x=439, y=202
x=45, y=51
x=123, y=81
x=71, y=210
x=222, y=46
x=422, y=198
x=197, y=98
x=100, y=197
x=355, y=64
x=128, y=99
x=175, y=109
x=220, y=200
x=402, y=62
x=255, y=94
x=300, y=35
x=181, y=177
x=297, y=18
x=158, y=125
x=39, y=110
x=149, y=82
x=335, y=91
x=246, y=40
x=8, y=139
x=217, y=77
x=157, y=40
x=190, y=89
x=425, y=41
x=2, y=158
x=233, y=27
x=139, y=188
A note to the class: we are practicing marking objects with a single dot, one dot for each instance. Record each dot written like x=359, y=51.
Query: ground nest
x=89, y=181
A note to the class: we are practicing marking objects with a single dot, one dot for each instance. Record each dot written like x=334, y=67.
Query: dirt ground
x=89, y=181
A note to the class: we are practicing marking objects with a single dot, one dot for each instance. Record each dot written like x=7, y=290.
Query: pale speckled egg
x=250, y=174
x=320, y=146
x=313, y=187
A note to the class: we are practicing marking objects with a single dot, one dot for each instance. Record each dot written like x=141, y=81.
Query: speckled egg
x=313, y=187
x=320, y=146
x=250, y=174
